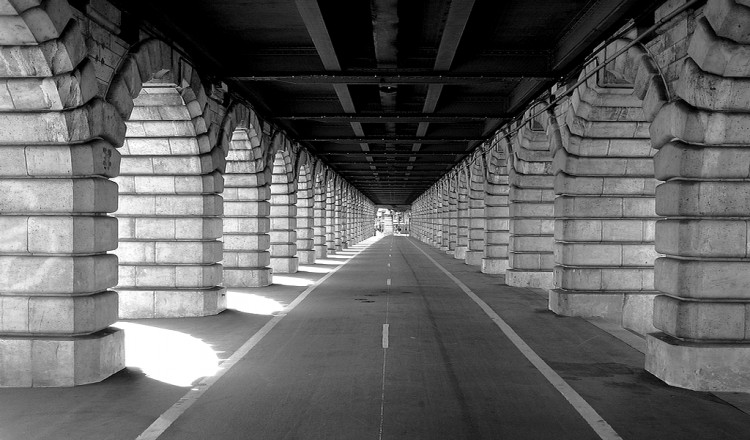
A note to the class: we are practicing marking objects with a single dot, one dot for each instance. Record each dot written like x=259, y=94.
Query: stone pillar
x=305, y=237
x=246, y=209
x=497, y=213
x=169, y=212
x=604, y=182
x=319, y=219
x=530, y=248
x=462, y=217
x=330, y=210
x=283, y=218
x=57, y=153
x=704, y=158
x=436, y=217
x=475, y=251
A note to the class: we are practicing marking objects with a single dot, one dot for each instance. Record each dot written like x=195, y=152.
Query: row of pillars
x=627, y=201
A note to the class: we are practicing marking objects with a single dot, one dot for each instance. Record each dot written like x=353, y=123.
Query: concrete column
x=452, y=216
x=169, y=212
x=462, y=218
x=604, y=209
x=305, y=236
x=497, y=213
x=330, y=206
x=246, y=209
x=475, y=251
x=57, y=150
x=704, y=158
x=283, y=218
x=319, y=220
x=530, y=248
x=387, y=223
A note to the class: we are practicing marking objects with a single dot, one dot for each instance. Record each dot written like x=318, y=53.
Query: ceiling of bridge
x=390, y=93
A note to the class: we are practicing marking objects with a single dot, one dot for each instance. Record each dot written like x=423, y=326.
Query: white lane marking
x=385, y=335
x=388, y=281
x=389, y=264
x=160, y=425
x=597, y=423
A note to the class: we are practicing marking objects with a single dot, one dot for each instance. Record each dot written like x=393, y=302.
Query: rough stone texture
x=497, y=213
x=246, y=208
x=530, y=257
x=283, y=216
x=452, y=216
x=701, y=137
x=604, y=187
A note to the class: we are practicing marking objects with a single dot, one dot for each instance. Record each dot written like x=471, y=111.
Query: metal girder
x=385, y=77
x=398, y=154
x=398, y=117
x=394, y=140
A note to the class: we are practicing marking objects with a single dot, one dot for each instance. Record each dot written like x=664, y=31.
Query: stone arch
x=305, y=202
x=58, y=149
x=283, y=209
x=605, y=188
x=246, y=215
x=170, y=179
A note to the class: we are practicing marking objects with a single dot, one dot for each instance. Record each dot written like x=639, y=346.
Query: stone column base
x=444, y=248
x=284, y=264
x=185, y=303
x=495, y=266
x=61, y=362
x=306, y=256
x=698, y=366
x=321, y=252
x=525, y=278
x=460, y=253
x=631, y=310
x=247, y=277
x=474, y=258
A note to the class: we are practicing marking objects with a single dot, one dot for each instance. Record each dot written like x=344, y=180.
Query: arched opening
x=305, y=202
x=462, y=214
x=283, y=215
x=169, y=209
x=496, y=210
x=246, y=209
x=530, y=256
x=475, y=249
x=605, y=186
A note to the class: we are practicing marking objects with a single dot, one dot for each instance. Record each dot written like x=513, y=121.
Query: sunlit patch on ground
x=168, y=356
x=291, y=281
x=314, y=269
x=251, y=303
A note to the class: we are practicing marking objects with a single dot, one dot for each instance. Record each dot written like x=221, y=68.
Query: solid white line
x=160, y=425
x=385, y=335
x=597, y=423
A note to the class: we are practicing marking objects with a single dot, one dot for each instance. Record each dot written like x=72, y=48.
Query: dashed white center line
x=388, y=281
x=385, y=335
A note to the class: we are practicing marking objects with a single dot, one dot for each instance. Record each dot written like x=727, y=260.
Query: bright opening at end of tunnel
x=254, y=304
x=168, y=356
